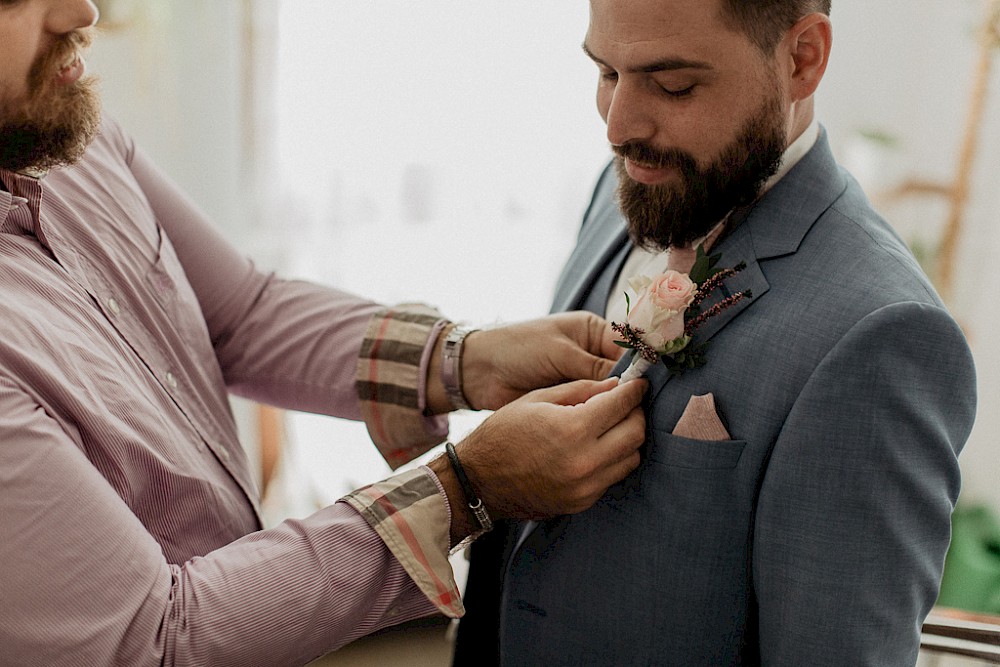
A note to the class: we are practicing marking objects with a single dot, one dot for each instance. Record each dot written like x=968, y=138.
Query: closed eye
x=684, y=92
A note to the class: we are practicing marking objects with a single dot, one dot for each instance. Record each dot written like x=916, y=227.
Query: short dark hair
x=765, y=21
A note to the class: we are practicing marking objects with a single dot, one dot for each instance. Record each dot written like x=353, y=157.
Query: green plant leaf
x=704, y=266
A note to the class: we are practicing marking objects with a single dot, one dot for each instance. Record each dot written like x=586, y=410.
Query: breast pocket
x=672, y=450
x=703, y=494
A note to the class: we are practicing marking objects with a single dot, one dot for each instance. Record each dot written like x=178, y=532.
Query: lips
x=72, y=71
x=648, y=175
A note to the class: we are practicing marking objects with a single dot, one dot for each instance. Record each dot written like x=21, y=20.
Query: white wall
x=174, y=79
x=903, y=66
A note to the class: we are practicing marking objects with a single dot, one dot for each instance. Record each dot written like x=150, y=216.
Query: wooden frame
x=959, y=633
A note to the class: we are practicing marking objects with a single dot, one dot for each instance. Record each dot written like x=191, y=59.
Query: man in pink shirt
x=129, y=523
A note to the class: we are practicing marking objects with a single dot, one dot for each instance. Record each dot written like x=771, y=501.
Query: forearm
x=462, y=523
x=297, y=347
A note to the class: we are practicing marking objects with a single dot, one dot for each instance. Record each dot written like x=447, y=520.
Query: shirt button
x=113, y=306
x=171, y=380
x=224, y=455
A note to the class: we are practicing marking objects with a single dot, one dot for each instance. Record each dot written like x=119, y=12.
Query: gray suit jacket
x=817, y=535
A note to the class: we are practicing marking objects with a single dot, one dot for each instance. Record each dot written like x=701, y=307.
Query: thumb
x=571, y=393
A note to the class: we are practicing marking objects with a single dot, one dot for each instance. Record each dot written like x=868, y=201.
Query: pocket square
x=700, y=420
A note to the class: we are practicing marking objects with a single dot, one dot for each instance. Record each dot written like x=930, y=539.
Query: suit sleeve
x=854, y=513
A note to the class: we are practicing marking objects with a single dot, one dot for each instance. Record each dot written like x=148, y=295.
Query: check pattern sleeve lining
x=409, y=512
x=391, y=376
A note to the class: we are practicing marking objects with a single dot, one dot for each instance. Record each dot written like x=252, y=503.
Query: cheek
x=13, y=76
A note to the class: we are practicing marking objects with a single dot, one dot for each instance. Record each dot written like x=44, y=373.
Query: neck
x=801, y=115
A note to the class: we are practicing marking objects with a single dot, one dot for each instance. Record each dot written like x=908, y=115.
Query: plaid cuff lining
x=411, y=516
x=389, y=381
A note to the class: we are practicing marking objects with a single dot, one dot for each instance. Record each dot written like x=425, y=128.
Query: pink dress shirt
x=129, y=524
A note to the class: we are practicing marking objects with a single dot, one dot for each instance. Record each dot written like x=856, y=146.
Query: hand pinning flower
x=662, y=322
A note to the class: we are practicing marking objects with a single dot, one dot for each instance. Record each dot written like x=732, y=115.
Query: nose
x=69, y=15
x=628, y=115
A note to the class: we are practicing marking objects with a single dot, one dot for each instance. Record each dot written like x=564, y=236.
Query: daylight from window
x=443, y=155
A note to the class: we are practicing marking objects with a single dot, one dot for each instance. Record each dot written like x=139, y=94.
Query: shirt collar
x=795, y=152
x=7, y=201
x=6, y=204
x=19, y=190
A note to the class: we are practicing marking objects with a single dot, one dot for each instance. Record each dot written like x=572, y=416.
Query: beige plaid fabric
x=409, y=511
x=410, y=514
x=390, y=374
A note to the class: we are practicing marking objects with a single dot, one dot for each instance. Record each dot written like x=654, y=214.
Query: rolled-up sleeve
x=391, y=377
x=409, y=512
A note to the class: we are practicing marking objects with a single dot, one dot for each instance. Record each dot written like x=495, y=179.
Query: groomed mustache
x=648, y=156
x=65, y=46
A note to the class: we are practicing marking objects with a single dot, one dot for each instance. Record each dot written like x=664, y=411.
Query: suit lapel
x=735, y=249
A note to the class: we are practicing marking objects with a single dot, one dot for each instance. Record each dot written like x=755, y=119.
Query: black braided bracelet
x=475, y=503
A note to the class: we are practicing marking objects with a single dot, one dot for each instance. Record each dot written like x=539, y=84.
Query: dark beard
x=54, y=124
x=660, y=216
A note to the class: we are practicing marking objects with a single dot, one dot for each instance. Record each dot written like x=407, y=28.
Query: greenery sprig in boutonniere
x=666, y=313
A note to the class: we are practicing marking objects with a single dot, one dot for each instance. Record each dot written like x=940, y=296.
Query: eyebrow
x=662, y=65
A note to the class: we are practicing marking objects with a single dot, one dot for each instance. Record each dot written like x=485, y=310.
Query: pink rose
x=660, y=305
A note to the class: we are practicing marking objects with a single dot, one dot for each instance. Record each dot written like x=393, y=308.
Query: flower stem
x=636, y=369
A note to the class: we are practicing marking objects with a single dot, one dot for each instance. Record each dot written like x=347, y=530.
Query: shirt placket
x=114, y=304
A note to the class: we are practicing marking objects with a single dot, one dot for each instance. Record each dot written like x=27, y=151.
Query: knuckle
x=583, y=502
x=576, y=470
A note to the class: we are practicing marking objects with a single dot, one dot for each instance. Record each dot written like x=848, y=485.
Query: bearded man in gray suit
x=793, y=505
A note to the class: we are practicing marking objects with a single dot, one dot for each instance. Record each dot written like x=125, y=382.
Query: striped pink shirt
x=129, y=525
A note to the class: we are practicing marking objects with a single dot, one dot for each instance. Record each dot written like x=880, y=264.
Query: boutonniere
x=666, y=313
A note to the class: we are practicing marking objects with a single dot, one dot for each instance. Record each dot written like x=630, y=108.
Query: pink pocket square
x=700, y=420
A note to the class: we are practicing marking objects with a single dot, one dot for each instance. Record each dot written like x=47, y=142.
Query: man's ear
x=808, y=44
